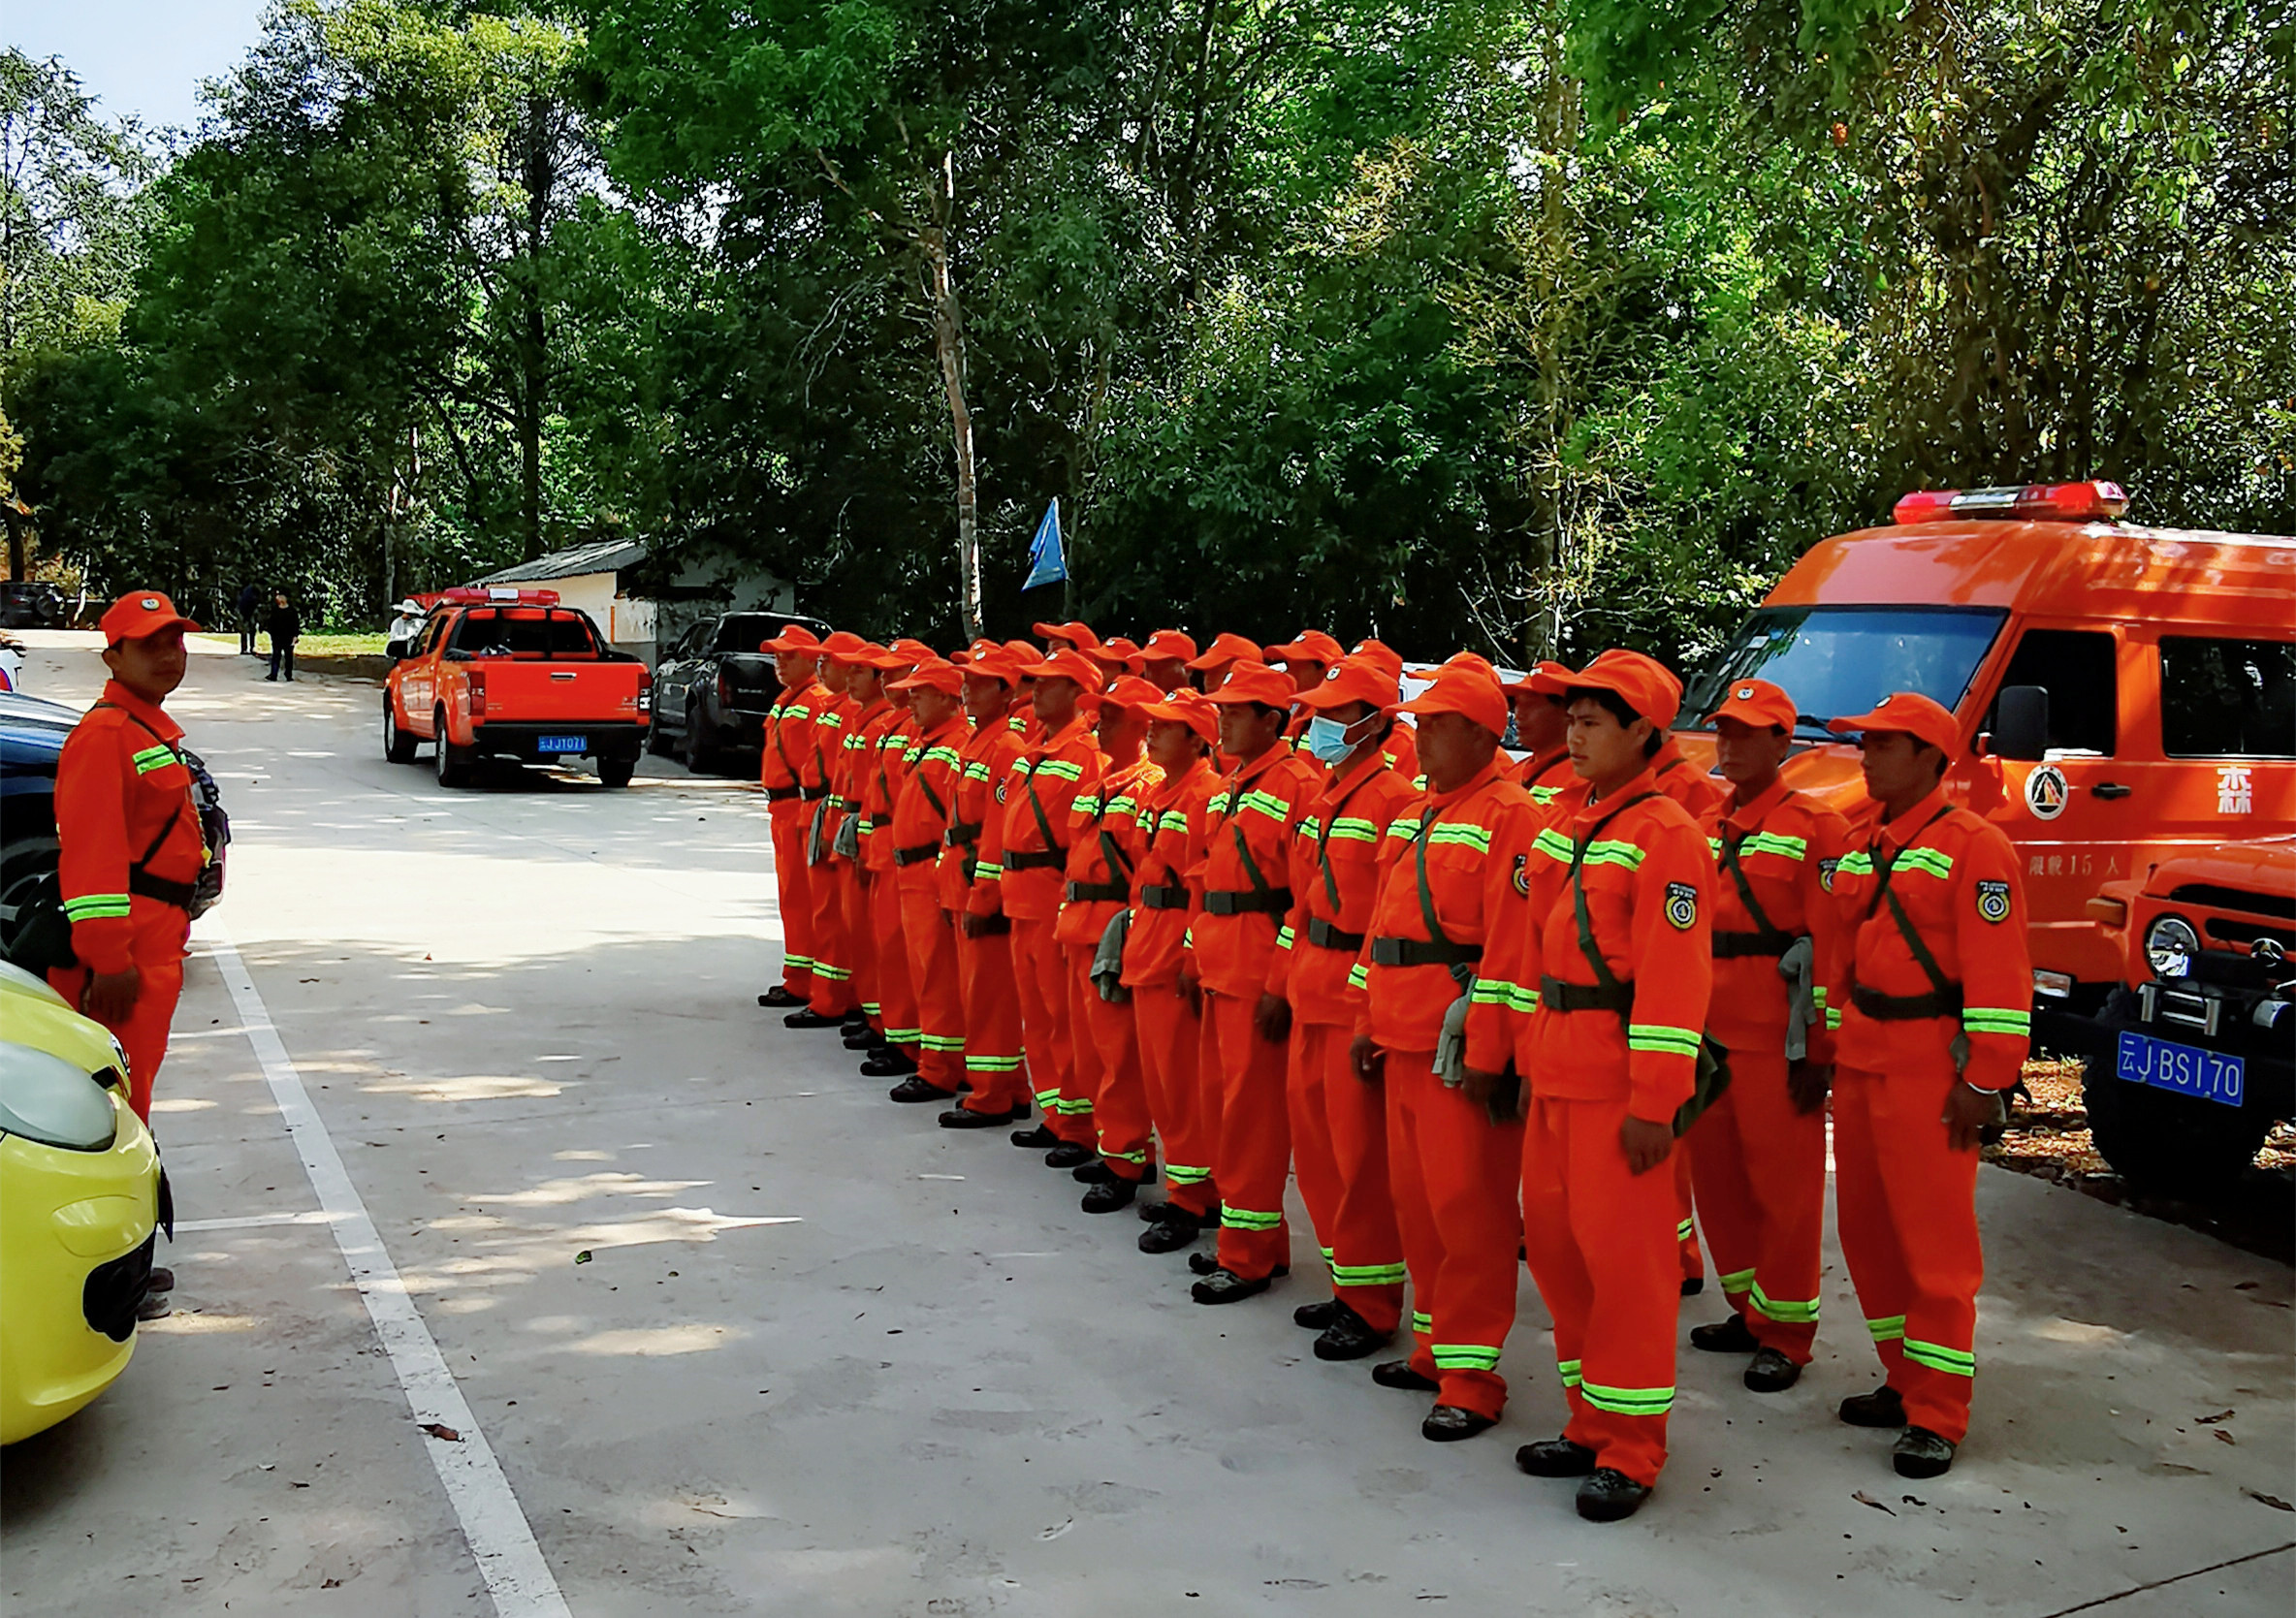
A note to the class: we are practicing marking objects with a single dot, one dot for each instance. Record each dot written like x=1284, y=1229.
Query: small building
x=636, y=607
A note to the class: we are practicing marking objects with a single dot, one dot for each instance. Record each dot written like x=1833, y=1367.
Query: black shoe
x=1771, y=1371
x=1034, y=1140
x=1691, y=1289
x=891, y=1066
x=1069, y=1153
x=163, y=1279
x=808, y=1019
x=1350, y=1336
x=1450, y=1423
x=154, y=1307
x=868, y=1039
x=1398, y=1375
x=1884, y=1407
x=1610, y=1496
x=1922, y=1454
x=914, y=1088
x=1226, y=1286
x=1725, y=1336
x=1555, y=1458
x=965, y=1117
x=1170, y=1235
x=1202, y=1263
x=1315, y=1317
x=854, y=1022
x=780, y=997
x=1093, y=1173
x=1110, y=1194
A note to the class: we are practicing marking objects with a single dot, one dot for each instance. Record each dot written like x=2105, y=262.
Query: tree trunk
x=540, y=177
x=949, y=346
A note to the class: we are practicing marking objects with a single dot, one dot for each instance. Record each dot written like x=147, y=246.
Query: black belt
x=878, y=822
x=1034, y=859
x=1153, y=897
x=988, y=926
x=1421, y=952
x=1907, y=1008
x=179, y=894
x=1096, y=893
x=810, y=793
x=1273, y=903
x=912, y=856
x=1735, y=947
x=780, y=794
x=963, y=831
x=1323, y=935
x=1554, y=994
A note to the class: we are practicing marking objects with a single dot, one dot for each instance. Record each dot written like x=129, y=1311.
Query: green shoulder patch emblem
x=1681, y=905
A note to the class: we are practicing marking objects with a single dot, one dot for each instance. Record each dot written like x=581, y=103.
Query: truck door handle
x=569, y=675
x=2111, y=789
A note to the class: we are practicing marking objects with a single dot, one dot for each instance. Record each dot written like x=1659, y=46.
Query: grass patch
x=319, y=646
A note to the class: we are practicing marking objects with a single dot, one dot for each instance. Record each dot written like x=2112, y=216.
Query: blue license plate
x=2181, y=1069
x=563, y=744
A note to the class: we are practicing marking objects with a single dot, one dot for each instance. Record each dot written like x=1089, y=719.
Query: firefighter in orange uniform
x=132, y=851
x=1024, y=843
x=850, y=770
x=1074, y=637
x=1761, y=1147
x=1115, y=657
x=1305, y=660
x=1447, y=865
x=1612, y=958
x=1339, y=1127
x=833, y=1002
x=1933, y=980
x=1541, y=729
x=926, y=798
x=1167, y=1009
x=791, y=776
x=883, y=763
x=1105, y=846
x=994, y=1063
x=1164, y=658
x=1220, y=657
x=1240, y=907
x=1403, y=741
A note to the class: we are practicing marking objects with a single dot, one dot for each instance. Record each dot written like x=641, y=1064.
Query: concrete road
x=826, y=1358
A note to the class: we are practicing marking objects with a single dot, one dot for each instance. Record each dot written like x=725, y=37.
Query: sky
x=137, y=56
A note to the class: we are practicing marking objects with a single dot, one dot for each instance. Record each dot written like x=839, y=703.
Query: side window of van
x=2227, y=699
x=2076, y=667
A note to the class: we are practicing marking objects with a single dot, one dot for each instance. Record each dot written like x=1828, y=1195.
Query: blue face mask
x=1328, y=739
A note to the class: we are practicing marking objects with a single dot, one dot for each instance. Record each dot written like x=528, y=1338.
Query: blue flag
x=1046, y=564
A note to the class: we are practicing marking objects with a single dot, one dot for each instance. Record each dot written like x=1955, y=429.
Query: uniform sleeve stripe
x=1655, y=1037
x=91, y=906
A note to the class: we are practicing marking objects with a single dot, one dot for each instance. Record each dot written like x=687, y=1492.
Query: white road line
x=498, y=1532
x=249, y=1221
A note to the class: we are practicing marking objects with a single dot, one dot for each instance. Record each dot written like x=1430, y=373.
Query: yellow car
x=80, y=1204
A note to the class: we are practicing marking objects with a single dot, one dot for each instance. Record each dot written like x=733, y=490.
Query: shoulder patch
x=1826, y=871
x=1523, y=876
x=1000, y=785
x=1993, y=901
x=1681, y=905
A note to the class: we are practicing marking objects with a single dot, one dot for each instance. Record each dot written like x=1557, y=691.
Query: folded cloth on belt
x=1799, y=968
x=1108, y=959
x=848, y=840
x=817, y=835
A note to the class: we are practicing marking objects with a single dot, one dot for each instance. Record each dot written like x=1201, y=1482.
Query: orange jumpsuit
x=1453, y=1170
x=882, y=766
x=851, y=772
x=1702, y=795
x=1907, y=1201
x=1105, y=816
x=1171, y=831
x=123, y=801
x=1339, y=1124
x=1601, y=1240
x=1762, y=1164
x=833, y=946
x=1546, y=776
x=926, y=795
x=993, y=1054
x=1232, y=927
x=1023, y=845
x=790, y=773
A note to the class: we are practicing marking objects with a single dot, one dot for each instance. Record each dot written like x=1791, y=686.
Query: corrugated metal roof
x=604, y=557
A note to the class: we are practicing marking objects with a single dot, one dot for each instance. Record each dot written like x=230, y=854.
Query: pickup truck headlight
x=55, y=1102
x=2170, y=944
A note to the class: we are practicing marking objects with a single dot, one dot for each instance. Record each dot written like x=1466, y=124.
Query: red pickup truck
x=501, y=673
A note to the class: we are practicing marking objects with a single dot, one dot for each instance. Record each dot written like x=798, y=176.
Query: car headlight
x=2170, y=944
x=55, y=1102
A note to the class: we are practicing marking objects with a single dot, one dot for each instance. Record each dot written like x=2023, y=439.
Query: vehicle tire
x=657, y=739
x=699, y=748
x=617, y=772
x=452, y=762
x=397, y=745
x=2173, y=1145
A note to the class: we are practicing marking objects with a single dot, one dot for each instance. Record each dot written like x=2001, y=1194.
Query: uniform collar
x=1483, y=779
x=1593, y=809
x=151, y=713
x=1540, y=763
x=1746, y=816
x=1260, y=766
x=1068, y=733
x=1351, y=773
x=1901, y=832
x=1199, y=771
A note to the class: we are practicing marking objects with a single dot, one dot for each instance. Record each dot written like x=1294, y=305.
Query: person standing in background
x=285, y=624
x=250, y=598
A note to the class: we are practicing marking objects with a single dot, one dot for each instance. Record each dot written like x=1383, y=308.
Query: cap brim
x=145, y=631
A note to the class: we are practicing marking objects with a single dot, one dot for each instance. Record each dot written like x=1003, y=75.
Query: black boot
x=1177, y=1230
x=1922, y=1454
x=1397, y=1374
x=1226, y=1286
x=1069, y=1153
x=1110, y=1194
x=1610, y=1496
x=1882, y=1407
x=1725, y=1336
x=1034, y=1140
x=1450, y=1423
x=1771, y=1371
x=1093, y=1173
x=1350, y=1336
x=892, y=1065
x=1315, y=1317
x=779, y=997
x=965, y=1117
x=1555, y=1458
x=808, y=1019
x=915, y=1089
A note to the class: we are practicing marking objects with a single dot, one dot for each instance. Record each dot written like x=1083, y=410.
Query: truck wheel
x=699, y=748
x=397, y=746
x=617, y=772
x=2173, y=1145
x=657, y=739
x=453, y=763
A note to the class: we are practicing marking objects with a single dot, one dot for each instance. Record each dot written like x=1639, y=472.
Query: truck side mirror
x=2021, y=723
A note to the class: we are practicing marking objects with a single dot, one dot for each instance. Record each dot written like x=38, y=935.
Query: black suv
x=714, y=687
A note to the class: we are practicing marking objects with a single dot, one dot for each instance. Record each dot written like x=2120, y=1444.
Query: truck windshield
x=742, y=631
x=532, y=632
x=1837, y=660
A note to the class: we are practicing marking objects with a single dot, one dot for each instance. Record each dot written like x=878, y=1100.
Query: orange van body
x=2170, y=662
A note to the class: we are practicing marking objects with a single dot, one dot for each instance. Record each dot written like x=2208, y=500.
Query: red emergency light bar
x=467, y=595
x=2034, y=502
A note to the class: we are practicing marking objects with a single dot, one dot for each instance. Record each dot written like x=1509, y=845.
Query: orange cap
x=1065, y=664
x=1309, y=645
x=1077, y=635
x=1911, y=713
x=1459, y=660
x=992, y=660
x=1115, y=653
x=140, y=613
x=1192, y=708
x=1352, y=679
x=1253, y=682
x=1380, y=655
x=1464, y=689
x=1170, y=642
x=1548, y=679
x=1226, y=648
x=1649, y=686
x=794, y=637
x=916, y=651
x=938, y=675
x=841, y=644
x=1132, y=691
x=1758, y=703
